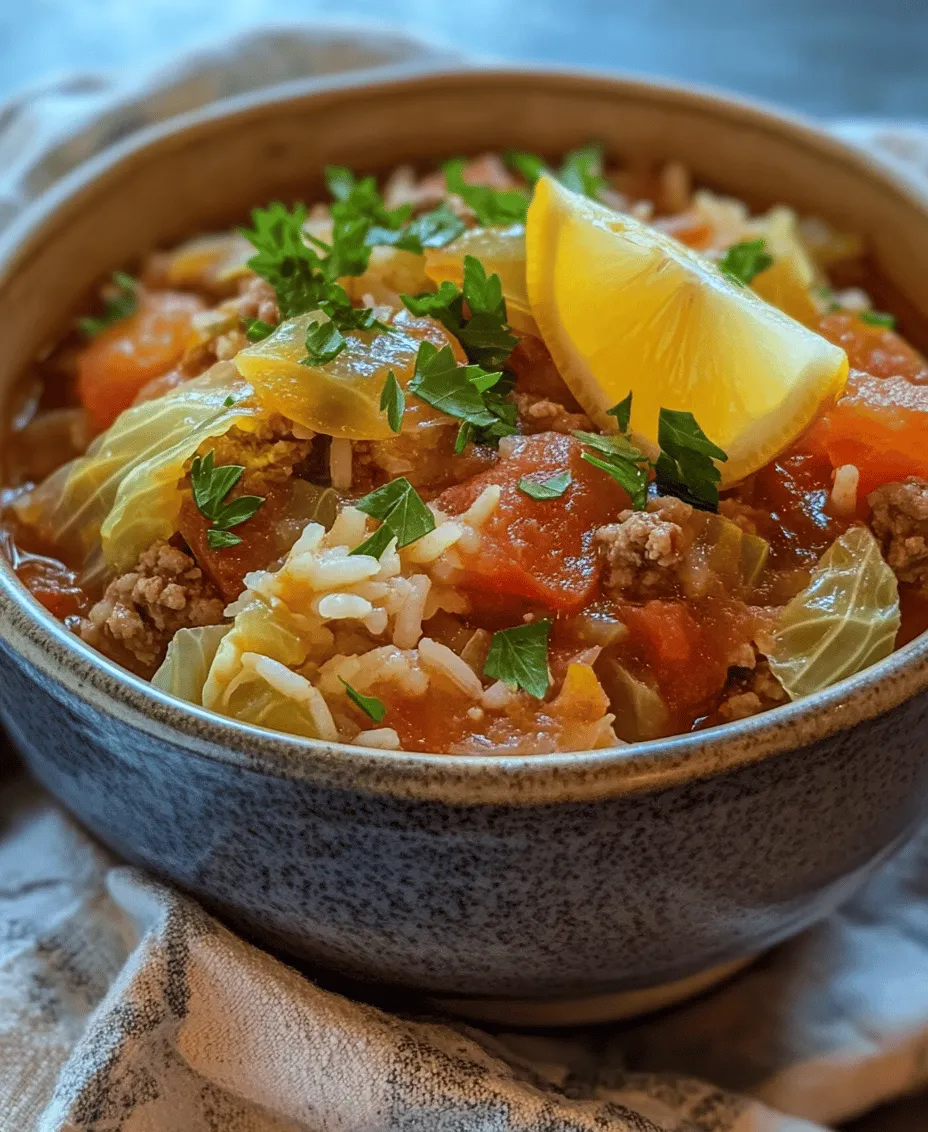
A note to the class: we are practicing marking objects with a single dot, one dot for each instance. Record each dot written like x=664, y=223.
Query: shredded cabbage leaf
x=186, y=666
x=845, y=620
x=107, y=506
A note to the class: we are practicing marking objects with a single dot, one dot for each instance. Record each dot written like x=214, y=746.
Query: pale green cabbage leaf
x=110, y=504
x=189, y=657
x=845, y=620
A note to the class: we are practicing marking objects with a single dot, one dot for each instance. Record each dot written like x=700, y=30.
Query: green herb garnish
x=123, y=304
x=686, y=467
x=256, y=330
x=580, y=171
x=298, y=274
x=519, y=657
x=619, y=458
x=370, y=705
x=402, y=515
x=878, y=318
x=491, y=206
x=622, y=413
x=211, y=486
x=324, y=342
x=393, y=402
x=743, y=261
x=551, y=488
x=468, y=393
x=484, y=334
x=431, y=230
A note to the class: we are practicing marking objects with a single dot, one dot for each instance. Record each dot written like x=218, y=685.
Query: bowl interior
x=207, y=170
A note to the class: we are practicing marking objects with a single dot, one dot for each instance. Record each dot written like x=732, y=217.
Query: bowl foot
x=590, y=1009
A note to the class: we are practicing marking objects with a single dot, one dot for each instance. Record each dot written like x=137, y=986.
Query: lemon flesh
x=624, y=308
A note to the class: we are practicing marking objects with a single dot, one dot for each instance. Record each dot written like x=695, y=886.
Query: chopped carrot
x=126, y=356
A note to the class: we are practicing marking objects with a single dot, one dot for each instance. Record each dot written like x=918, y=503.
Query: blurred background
x=835, y=58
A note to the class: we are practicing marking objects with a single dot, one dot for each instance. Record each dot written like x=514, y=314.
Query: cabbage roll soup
x=511, y=457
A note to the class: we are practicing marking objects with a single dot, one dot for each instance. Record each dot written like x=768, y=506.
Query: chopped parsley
x=299, y=275
x=393, y=402
x=622, y=413
x=686, y=466
x=121, y=305
x=580, y=171
x=619, y=458
x=370, y=705
x=468, y=393
x=431, y=230
x=324, y=342
x=878, y=318
x=211, y=486
x=551, y=488
x=490, y=206
x=256, y=330
x=402, y=516
x=484, y=334
x=519, y=657
x=743, y=261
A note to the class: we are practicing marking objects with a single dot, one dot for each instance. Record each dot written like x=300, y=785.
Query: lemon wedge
x=623, y=307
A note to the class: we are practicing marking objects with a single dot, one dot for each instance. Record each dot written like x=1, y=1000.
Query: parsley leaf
x=619, y=458
x=324, y=342
x=582, y=170
x=296, y=271
x=370, y=705
x=393, y=400
x=210, y=486
x=402, y=513
x=743, y=261
x=491, y=206
x=551, y=488
x=468, y=393
x=878, y=318
x=519, y=657
x=123, y=304
x=256, y=329
x=622, y=413
x=431, y=230
x=685, y=467
x=485, y=333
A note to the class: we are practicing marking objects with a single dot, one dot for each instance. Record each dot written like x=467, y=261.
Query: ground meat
x=257, y=299
x=645, y=550
x=751, y=691
x=142, y=610
x=537, y=374
x=900, y=522
x=425, y=457
x=547, y=416
x=269, y=453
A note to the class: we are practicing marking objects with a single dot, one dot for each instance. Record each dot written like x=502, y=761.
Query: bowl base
x=590, y=1009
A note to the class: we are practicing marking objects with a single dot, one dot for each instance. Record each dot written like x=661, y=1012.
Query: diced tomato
x=688, y=648
x=125, y=357
x=874, y=349
x=539, y=550
x=880, y=425
x=260, y=544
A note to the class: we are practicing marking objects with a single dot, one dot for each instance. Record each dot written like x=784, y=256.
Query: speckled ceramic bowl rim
x=463, y=780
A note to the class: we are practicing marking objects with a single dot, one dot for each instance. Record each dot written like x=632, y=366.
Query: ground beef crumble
x=547, y=416
x=258, y=299
x=645, y=550
x=900, y=522
x=140, y=611
x=751, y=691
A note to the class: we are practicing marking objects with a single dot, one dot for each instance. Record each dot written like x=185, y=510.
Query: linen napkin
x=126, y=1008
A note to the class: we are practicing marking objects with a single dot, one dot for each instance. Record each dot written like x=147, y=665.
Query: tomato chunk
x=539, y=550
x=874, y=349
x=122, y=359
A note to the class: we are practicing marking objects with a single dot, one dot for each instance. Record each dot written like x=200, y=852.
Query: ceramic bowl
x=534, y=888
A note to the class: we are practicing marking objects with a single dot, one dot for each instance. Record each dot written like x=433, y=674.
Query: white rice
x=340, y=469
x=384, y=737
x=439, y=658
x=844, y=490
